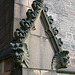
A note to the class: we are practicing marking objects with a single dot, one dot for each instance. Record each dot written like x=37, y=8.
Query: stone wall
x=6, y=66
x=6, y=22
x=63, y=13
x=20, y=9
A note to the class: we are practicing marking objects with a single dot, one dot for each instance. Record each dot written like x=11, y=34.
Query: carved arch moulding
x=19, y=49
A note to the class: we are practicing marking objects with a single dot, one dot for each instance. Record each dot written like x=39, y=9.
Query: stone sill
x=33, y=71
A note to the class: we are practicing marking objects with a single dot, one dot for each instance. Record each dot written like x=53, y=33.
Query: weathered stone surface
x=62, y=35
x=72, y=29
x=69, y=36
x=65, y=10
x=6, y=22
x=73, y=45
x=23, y=11
x=16, y=23
x=6, y=35
x=73, y=37
x=41, y=52
x=17, y=11
x=30, y=2
x=20, y=11
x=66, y=45
x=8, y=65
x=22, y=2
x=73, y=61
x=39, y=28
x=38, y=72
x=9, y=15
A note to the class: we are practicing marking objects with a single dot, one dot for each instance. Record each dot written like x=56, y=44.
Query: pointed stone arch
x=20, y=52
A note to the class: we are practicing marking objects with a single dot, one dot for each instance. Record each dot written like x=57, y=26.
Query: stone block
x=17, y=10
x=73, y=37
x=66, y=45
x=73, y=46
x=39, y=28
x=22, y=2
x=40, y=51
x=30, y=2
x=16, y=24
x=53, y=73
x=38, y=72
x=8, y=65
x=69, y=36
x=20, y=11
x=72, y=29
x=23, y=11
x=46, y=72
x=28, y=72
x=72, y=54
x=65, y=11
x=58, y=7
x=64, y=28
x=73, y=62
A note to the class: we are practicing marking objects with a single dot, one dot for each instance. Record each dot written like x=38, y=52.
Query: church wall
x=62, y=20
x=6, y=31
x=6, y=22
x=20, y=9
x=63, y=12
x=6, y=67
